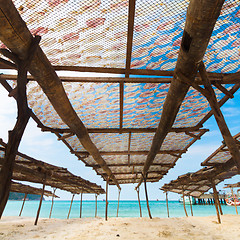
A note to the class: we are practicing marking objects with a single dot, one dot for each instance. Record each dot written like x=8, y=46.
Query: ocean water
x=126, y=209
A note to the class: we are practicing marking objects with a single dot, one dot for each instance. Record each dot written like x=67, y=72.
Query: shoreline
x=179, y=228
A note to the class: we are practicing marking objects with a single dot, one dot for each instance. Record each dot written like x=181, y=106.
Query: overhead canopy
x=221, y=155
x=22, y=188
x=233, y=185
x=32, y=170
x=122, y=115
x=195, y=184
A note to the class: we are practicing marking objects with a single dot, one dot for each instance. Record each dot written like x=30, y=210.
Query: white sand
x=204, y=228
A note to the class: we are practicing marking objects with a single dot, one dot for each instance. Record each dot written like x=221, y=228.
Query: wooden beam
x=16, y=36
x=223, y=90
x=134, y=165
x=167, y=203
x=200, y=21
x=25, y=196
x=50, y=214
x=40, y=203
x=130, y=173
x=81, y=205
x=212, y=99
x=184, y=206
x=96, y=205
x=119, y=191
x=106, y=207
x=215, y=194
x=70, y=206
x=140, y=209
x=146, y=194
x=190, y=201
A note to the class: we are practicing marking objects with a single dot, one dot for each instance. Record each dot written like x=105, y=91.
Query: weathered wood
x=106, y=207
x=25, y=196
x=96, y=205
x=190, y=201
x=200, y=21
x=146, y=194
x=223, y=90
x=140, y=209
x=212, y=99
x=70, y=206
x=167, y=204
x=234, y=201
x=81, y=205
x=119, y=191
x=16, y=36
x=215, y=194
x=184, y=206
x=50, y=214
x=16, y=134
x=219, y=205
x=40, y=203
x=135, y=164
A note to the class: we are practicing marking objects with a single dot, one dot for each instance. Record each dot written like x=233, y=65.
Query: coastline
x=121, y=228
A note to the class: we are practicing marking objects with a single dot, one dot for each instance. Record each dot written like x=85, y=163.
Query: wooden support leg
x=25, y=196
x=16, y=134
x=185, y=210
x=50, y=214
x=40, y=203
x=140, y=209
x=145, y=186
x=209, y=93
x=96, y=205
x=215, y=200
x=106, y=208
x=167, y=204
x=119, y=191
x=219, y=205
x=70, y=206
x=190, y=201
x=81, y=205
x=234, y=201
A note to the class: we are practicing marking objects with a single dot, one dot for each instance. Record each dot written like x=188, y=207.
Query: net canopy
x=32, y=170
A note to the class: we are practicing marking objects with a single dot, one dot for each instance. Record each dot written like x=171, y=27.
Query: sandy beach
x=204, y=228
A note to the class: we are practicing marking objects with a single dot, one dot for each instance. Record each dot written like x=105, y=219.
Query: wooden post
x=167, y=203
x=140, y=209
x=234, y=201
x=119, y=191
x=50, y=214
x=183, y=196
x=190, y=201
x=25, y=196
x=40, y=203
x=219, y=205
x=145, y=186
x=81, y=205
x=70, y=206
x=106, y=208
x=96, y=205
x=215, y=194
x=15, y=136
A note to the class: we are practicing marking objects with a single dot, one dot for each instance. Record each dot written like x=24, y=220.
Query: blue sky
x=44, y=146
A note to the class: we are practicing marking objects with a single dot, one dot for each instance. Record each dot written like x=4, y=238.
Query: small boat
x=230, y=201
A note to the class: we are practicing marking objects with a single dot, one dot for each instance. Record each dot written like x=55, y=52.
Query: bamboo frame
x=25, y=196
x=50, y=214
x=70, y=206
x=40, y=203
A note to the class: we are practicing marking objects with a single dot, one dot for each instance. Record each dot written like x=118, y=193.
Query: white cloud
x=231, y=111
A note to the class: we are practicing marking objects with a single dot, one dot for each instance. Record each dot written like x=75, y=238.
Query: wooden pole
x=17, y=37
x=96, y=205
x=145, y=186
x=25, y=196
x=81, y=205
x=219, y=205
x=70, y=206
x=106, y=208
x=190, y=201
x=50, y=214
x=119, y=191
x=167, y=203
x=215, y=194
x=23, y=115
x=185, y=210
x=140, y=209
x=234, y=201
x=40, y=203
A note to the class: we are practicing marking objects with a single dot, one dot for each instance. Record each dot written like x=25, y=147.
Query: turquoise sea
x=126, y=209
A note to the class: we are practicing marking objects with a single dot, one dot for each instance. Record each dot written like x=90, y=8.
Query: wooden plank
x=25, y=196
x=70, y=206
x=16, y=36
x=195, y=40
x=134, y=165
